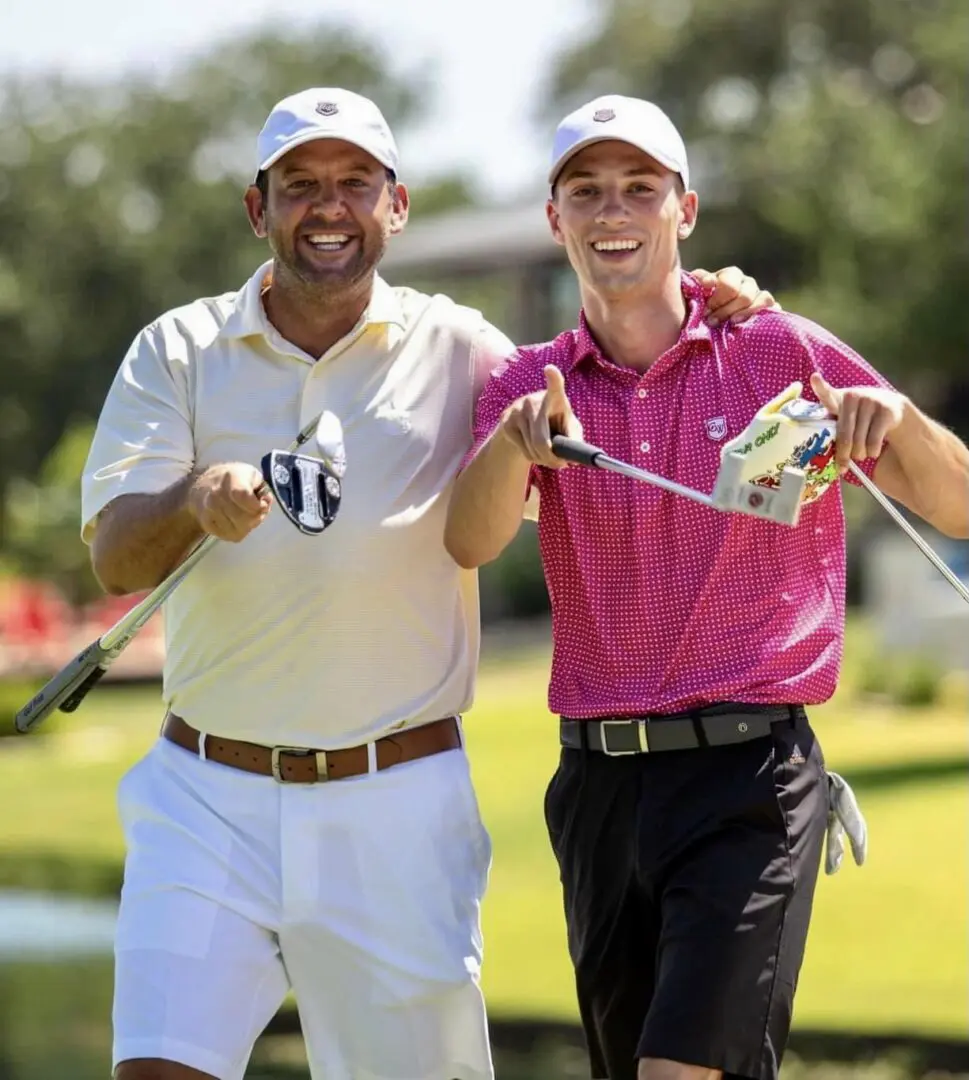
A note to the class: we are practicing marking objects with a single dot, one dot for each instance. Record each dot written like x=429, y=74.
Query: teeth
x=328, y=240
x=616, y=245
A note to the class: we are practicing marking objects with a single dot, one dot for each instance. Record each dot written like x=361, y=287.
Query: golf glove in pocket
x=844, y=816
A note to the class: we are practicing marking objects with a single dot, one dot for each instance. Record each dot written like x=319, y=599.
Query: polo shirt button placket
x=642, y=393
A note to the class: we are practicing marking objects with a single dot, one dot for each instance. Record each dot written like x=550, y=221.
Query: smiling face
x=620, y=215
x=328, y=211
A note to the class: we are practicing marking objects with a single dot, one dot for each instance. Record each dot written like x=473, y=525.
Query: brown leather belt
x=297, y=765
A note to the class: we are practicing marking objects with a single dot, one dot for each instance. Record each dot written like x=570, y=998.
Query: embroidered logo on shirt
x=796, y=758
x=717, y=428
x=602, y=115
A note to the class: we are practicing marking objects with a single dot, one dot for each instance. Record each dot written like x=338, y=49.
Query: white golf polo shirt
x=286, y=639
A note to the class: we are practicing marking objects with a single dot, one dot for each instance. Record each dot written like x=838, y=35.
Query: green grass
x=889, y=943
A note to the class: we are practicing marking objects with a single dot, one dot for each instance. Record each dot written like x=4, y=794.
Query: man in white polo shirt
x=356, y=882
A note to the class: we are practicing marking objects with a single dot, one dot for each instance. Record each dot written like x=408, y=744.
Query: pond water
x=55, y=1010
x=55, y=1001
x=36, y=926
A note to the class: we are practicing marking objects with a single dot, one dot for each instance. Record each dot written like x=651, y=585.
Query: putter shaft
x=146, y=608
x=603, y=461
x=911, y=533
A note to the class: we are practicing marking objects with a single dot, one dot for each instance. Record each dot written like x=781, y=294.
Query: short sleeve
x=838, y=364
x=143, y=442
x=492, y=350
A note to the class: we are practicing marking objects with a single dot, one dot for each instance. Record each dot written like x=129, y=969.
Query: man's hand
x=530, y=422
x=733, y=295
x=866, y=415
x=229, y=501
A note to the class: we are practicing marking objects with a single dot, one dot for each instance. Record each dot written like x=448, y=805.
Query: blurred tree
x=43, y=519
x=828, y=142
x=123, y=199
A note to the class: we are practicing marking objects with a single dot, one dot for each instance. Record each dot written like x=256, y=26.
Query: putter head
x=308, y=489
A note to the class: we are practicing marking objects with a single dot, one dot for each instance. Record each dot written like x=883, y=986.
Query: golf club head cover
x=789, y=432
x=844, y=816
x=308, y=492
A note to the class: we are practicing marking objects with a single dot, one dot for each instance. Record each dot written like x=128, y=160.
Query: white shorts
x=362, y=895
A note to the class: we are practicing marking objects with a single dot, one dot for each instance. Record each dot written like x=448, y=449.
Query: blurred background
x=829, y=142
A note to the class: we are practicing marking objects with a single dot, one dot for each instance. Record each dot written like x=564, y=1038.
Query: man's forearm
x=926, y=467
x=140, y=539
x=486, y=506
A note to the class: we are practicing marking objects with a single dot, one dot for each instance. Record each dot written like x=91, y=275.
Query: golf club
x=927, y=550
x=303, y=505
x=731, y=493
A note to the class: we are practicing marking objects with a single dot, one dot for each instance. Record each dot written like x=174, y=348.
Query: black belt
x=717, y=725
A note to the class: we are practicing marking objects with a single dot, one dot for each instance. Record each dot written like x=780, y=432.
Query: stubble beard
x=324, y=286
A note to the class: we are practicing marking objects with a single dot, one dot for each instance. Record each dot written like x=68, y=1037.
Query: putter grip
x=66, y=688
x=575, y=450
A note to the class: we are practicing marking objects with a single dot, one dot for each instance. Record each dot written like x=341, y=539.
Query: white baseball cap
x=631, y=120
x=326, y=113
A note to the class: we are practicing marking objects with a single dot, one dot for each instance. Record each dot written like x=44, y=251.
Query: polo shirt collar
x=248, y=316
x=694, y=329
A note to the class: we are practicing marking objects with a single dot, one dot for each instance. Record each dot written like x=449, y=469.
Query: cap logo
x=602, y=115
x=327, y=108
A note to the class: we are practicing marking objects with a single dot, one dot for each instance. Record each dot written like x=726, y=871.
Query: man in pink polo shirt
x=689, y=807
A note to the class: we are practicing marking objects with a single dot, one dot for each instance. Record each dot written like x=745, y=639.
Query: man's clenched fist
x=229, y=501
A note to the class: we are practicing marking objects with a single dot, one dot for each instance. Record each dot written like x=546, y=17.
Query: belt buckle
x=643, y=747
x=322, y=772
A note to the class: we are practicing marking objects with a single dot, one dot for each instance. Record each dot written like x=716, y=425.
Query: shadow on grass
x=549, y=1050
x=920, y=1053
x=905, y=773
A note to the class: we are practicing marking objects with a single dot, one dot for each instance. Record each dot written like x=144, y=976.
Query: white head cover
x=329, y=442
x=789, y=431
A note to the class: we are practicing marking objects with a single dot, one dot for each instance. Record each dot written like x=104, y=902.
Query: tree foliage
x=119, y=200
x=828, y=140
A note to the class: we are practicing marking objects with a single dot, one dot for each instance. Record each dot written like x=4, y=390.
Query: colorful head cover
x=789, y=431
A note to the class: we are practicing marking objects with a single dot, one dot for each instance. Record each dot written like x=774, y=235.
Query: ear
x=689, y=208
x=400, y=210
x=552, y=213
x=255, y=210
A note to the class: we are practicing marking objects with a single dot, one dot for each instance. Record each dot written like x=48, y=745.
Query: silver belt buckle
x=322, y=771
x=643, y=743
